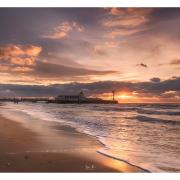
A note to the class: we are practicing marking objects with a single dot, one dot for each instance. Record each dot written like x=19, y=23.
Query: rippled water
x=146, y=135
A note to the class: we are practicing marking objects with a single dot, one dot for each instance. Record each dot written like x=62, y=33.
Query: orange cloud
x=116, y=11
x=19, y=55
x=21, y=60
x=27, y=61
x=4, y=68
x=19, y=50
x=130, y=11
x=21, y=69
x=126, y=21
x=63, y=30
x=12, y=69
x=123, y=32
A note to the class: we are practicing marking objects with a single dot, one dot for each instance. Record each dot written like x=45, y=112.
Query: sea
x=145, y=135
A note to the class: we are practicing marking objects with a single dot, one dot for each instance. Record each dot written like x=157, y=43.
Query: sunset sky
x=136, y=52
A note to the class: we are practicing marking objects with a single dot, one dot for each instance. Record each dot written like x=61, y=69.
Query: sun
x=121, y=96
x=124, y=96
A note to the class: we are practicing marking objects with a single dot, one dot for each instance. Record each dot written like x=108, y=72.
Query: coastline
x=22, y=150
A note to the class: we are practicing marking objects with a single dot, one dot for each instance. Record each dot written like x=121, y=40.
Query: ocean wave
x=119, y=159
x=170, y=113
x=162, y=106
x=142, y=108
x=155, y=120
x=119, y=109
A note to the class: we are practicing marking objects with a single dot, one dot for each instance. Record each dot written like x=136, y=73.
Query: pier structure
x=79, y=98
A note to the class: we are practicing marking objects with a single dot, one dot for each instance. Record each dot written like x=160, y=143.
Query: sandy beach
x=22, y=150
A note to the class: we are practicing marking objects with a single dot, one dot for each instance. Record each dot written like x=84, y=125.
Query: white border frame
x=90, y=3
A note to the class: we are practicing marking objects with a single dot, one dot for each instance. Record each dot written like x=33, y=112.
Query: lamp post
x=113, y=92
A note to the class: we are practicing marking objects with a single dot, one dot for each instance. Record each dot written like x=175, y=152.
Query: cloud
x=142, y=65
x=126, y=21
x=60, y=60
x=130, y=11
x=20, y=55
x=63, y=30
x=155, y=79
x=15, y=70
x=151, y=35
x=26, y=60
x=47, y=70
x=123, y=32
x=175, y=62
x=11, y=50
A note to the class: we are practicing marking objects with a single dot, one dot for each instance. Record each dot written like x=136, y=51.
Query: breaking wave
x=170, y=113
x=155, y=120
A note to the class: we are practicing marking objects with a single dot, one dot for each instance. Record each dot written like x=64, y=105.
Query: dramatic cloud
x=48, y=70
x=127, y=21
x=22, y=60
x=63, y=30
x=20, y=55
x=134, y=50
x=131, y=11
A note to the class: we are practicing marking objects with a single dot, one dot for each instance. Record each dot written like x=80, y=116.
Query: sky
x=49, y=51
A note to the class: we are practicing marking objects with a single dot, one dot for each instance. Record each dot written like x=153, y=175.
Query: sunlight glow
x=124, y=96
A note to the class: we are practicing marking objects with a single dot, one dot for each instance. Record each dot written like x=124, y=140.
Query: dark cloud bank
x=165, y=89
x=54, y=70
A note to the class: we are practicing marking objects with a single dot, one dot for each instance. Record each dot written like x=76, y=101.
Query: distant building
x=71, y=98
x=81, y=98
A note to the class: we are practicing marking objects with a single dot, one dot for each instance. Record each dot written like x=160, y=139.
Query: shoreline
x=22, y=150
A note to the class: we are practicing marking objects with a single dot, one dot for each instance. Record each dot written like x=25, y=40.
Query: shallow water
x=146, y=135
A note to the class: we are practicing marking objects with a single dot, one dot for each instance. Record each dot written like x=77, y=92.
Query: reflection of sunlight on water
x=116, y=164
x=121, y=148
x=120, y=166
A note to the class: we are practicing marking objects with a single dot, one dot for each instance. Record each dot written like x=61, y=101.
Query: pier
x=79, y=98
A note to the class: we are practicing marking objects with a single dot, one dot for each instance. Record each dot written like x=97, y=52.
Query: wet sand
x=21, y=151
